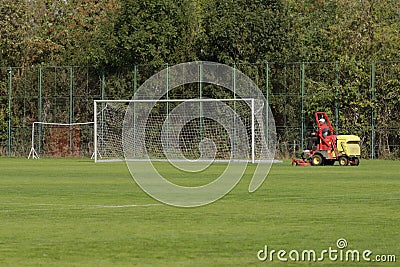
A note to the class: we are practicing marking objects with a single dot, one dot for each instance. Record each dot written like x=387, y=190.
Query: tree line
x=127, y=32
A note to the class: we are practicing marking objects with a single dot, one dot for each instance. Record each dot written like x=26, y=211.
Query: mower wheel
x=343, y=161
x=316, y=160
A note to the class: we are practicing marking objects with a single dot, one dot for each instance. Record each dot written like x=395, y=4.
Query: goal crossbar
x=174, y=100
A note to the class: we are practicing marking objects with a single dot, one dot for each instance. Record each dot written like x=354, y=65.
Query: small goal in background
x=61, y=139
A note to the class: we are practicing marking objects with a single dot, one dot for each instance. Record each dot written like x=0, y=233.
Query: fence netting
x=361, y=98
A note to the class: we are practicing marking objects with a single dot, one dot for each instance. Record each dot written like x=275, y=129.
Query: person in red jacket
x=324, y=128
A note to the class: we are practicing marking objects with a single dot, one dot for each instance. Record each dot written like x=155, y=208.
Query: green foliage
x=153, y=32
x=344, y=30
x=115, y=32
x=13, y=28
x=56, y=32
x=242, y=31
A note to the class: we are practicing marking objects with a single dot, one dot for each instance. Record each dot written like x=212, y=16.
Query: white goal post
x=61, y=139
x=188, y=129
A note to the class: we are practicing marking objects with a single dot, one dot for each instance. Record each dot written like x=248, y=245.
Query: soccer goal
x=61, y=140
x=179, y=129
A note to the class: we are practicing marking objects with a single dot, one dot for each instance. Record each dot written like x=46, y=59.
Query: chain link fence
x=361, y=98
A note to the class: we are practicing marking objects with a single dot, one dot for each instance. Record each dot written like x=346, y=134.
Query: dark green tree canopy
x=243, y=31
x=153, y=32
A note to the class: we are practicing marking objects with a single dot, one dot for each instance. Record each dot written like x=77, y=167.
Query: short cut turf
x=73, y=212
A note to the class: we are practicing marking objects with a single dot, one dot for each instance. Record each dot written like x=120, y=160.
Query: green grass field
x=73, y=212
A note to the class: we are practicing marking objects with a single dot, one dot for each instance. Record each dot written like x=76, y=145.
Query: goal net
x=61, y=139
x=178, y=129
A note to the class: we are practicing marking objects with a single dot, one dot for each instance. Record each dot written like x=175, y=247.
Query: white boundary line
x=70, y=206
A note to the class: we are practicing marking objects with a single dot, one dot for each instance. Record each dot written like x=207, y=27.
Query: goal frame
x=95, y=111
x=32, y=153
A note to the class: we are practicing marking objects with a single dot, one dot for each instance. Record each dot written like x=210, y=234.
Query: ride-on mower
x=324, y=147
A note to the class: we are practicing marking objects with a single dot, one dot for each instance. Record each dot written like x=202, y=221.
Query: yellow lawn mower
x=325, y=148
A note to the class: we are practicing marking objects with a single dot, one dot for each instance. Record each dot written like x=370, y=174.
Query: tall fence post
x=267, y=103
x=201, y=96
x=133, y=105
x=103, y=83
x=40, y=111
x=302, y=104
x=167, y=103
x=71, y=109
x=71, y=95
x=234, y=109
x=336, y=97
x=40, y=84
x=102, y=96
x=9, y=112
x=167, y=86
x=134, y=79
x=372, y=110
